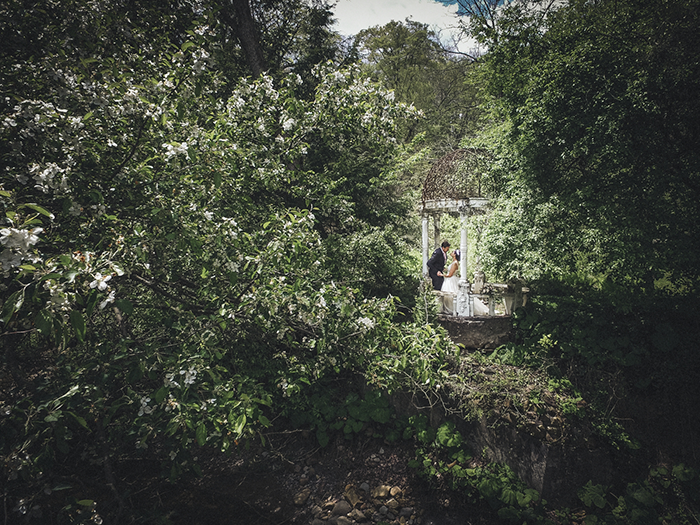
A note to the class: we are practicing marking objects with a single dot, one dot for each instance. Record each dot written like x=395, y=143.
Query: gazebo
x=453, y=187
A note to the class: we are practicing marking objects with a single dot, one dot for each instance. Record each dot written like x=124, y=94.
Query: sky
x=354, y=15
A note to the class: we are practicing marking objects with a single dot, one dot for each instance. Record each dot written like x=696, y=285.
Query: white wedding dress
x=479, y=307
x=450, y=286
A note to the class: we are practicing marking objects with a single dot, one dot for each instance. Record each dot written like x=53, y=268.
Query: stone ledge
x=478, y=333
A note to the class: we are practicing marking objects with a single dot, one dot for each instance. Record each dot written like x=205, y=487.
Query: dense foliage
x=410, y=59
x=600, y=166
x=207, y=225
x=177, y=268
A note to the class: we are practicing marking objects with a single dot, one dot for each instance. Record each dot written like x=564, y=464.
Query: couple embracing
x=444, y=281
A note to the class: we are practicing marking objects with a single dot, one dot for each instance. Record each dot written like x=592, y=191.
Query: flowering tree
x=169, y=259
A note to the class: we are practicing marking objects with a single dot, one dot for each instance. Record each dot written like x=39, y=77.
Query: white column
x=425, y=245
x=464, y=306
x=436, y=230
x=463, y=248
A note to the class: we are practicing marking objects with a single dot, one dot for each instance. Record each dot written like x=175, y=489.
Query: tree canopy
x=408, y=58
x=180, y=268
x=600, y=169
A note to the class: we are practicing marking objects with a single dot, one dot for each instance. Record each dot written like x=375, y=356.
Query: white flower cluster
x=145, y=409
x=48, y=178
x=201, y=59
x=365, y=323
x=190, y=376
x=174, y=149
x=17, y=244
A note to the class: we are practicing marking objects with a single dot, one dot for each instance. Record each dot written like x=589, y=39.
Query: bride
x=450, y=284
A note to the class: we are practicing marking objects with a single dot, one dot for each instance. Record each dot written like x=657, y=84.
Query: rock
x=317, y=521
x=342, y=520
x=392, y=504
x=301, y=497
x=316, y=511
x=382, y=491
x=365, y=487
x=395, y=491
x=406, y=511
x=357, y=515
x=341, y=508
x=383, y=510
x=352, y=495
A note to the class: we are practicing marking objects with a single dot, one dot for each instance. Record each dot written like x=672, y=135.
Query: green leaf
x=86, y=502
x=91, y=301
x=201, y=434
x=683, y=473
x=52, y=417
x=41, y=210
x=44, y=322
x=12, y=305
x=79, y=419
x=78, y=322
x=4, y=193
x=240, y=424
x=160, y=394
x=125, y=306
x=509, y=496
x=322, y=437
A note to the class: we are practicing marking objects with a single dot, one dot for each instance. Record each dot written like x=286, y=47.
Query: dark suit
x=436, y=264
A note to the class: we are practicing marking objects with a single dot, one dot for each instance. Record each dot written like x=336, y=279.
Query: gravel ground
x=365, y=480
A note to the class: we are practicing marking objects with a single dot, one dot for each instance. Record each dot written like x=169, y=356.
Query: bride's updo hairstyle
x=458, y=255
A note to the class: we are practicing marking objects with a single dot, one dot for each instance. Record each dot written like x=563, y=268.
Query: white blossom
x=145, y=409
x=20, y=239
x=9, y=260
x=170, y=380
x=100, y=281
x=75, y=209
x=366, y=323
x=190, y=375
x=108, y=299
x=171, y=150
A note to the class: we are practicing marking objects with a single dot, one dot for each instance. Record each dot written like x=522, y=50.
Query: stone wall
x=478, y=333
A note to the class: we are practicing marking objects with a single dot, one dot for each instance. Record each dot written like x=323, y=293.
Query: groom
x=436, y=264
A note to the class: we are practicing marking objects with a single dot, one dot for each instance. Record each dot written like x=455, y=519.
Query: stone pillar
x=464, y=307
x=424, y=222
x=436, y=226
x=463, y=248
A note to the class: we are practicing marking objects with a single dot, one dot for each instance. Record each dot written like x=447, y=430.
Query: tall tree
x=408, y=58
x=275, y=36
x=172, y=263
x=240, y=18
x=601, y=140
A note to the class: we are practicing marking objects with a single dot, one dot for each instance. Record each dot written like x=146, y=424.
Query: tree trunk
x=243, y=25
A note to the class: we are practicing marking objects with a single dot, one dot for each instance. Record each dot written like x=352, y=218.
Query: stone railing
x=494, y=300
